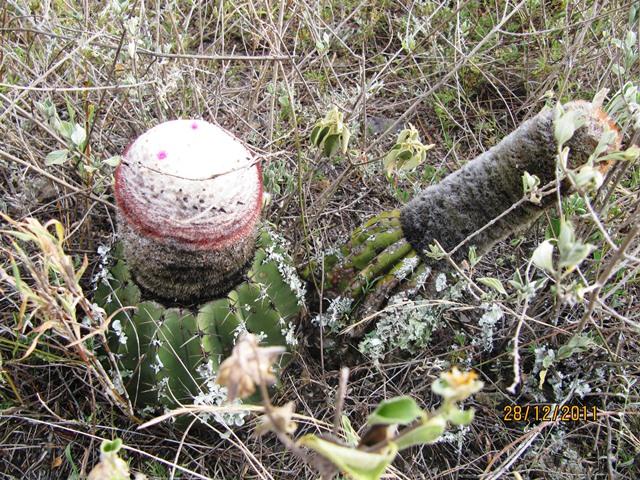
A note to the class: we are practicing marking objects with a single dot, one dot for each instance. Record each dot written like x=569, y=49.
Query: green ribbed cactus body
x=169, y=356
x=376, y=254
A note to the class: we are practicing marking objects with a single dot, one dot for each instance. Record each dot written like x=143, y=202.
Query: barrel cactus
x=194, y=268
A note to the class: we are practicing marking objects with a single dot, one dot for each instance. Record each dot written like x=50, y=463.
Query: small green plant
x=77, y=150
x=111, y=466
x=395, y=425
x=331, y=134
x=407, y=153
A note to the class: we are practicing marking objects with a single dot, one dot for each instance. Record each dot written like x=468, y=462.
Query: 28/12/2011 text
x=545, y=413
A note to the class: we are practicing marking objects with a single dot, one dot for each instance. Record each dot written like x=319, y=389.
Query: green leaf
x=389, y=161
x=631, y=153
x=111, y=446
x=428, y=432
x=57, y=157
x=315, y=133
x=543, y=256
x=530, y=185
x=404, y=155
x=351, y=436
x=566, y=123
x=572, y=251
x=493, y=283
x=574, y=257
x=357, y=464
x=587, y=177
x=66, y=129
x=78, y=135
x=412, y=163
x=398, y=410
x=566, y=237
x=458, y=416
x=578, y=343
x=16, y=275
x=331, y=145
x=113, y=161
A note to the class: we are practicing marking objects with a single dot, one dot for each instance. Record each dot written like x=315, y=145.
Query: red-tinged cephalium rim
x=196, y=238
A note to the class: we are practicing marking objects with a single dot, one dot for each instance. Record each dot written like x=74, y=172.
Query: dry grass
x=267, y=71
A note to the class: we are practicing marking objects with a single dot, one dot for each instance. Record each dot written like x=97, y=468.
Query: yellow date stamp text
x=549, y=413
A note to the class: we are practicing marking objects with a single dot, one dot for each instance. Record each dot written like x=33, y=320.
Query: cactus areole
x=189, y=196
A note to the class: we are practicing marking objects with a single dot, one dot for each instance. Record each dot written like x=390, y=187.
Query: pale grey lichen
x=157, y=365
x=406, y=325
x=455, y=437
x=102, y=272
x=290, y=335
x=580, y=387
x=285, y=266
x=421, y=280
x=239, y=331
x=215, y=395
x=163, y=388
x=116, y=326
x=441, y=282
x=488, y=322
x=407, y=266
x=333, y=316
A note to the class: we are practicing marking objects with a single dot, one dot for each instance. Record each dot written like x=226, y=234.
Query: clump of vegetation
x=395, y=425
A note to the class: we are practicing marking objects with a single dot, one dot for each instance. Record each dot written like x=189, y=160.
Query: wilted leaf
x=247, y=366
x=279, y=420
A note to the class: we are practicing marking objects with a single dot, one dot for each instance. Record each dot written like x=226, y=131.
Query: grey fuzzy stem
x=489, y=185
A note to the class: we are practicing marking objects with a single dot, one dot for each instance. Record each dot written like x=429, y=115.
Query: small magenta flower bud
x=189, y=196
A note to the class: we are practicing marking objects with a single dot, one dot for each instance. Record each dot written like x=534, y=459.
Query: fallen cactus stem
x=478, y=205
